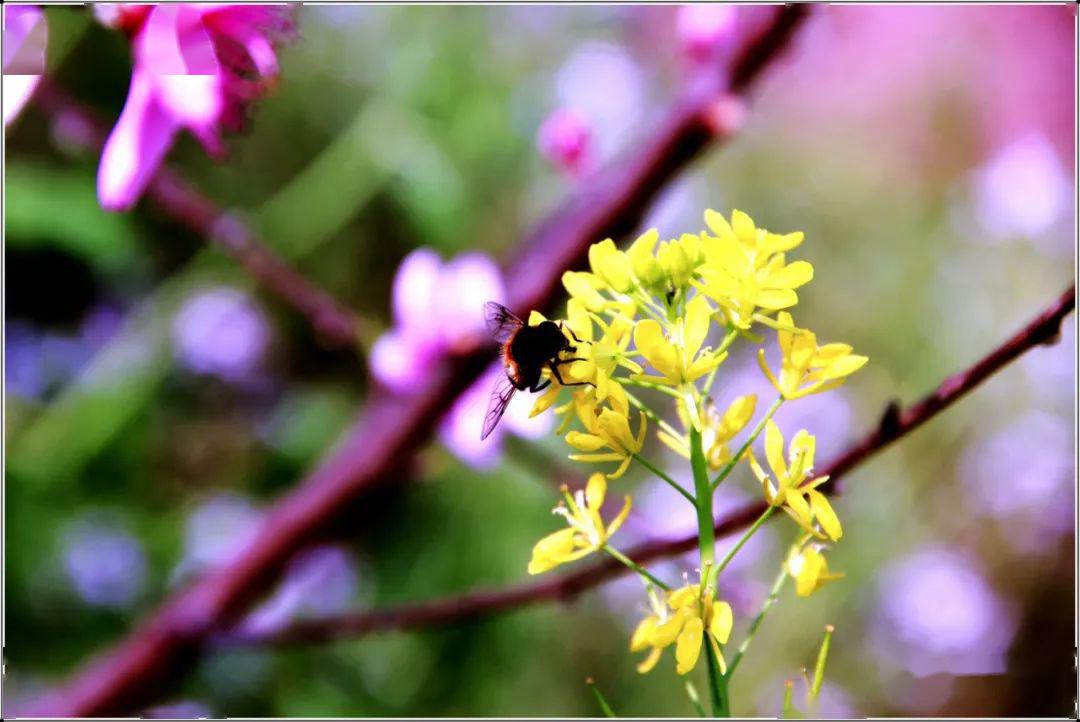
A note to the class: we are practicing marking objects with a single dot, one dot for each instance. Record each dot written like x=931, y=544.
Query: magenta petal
x=414, y=291
x=466, y=284
x=399, y=362
x=135, y=148
x=460, y=429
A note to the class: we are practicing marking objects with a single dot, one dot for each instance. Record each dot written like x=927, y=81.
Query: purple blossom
x=937, y=613
x=25, y=37
x=193, y=70
x=704, y=30
x=1024, y=474
x=1023, y=190
x=105, y=564
x=216, y=532
x=460, y=429
x=564, y=140
x=220, y=331
x=603, y=84
x=318, y=582
x=437, y=307
x=181, y=709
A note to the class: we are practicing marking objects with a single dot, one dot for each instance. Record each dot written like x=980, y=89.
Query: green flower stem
x=732, y=334
x=653, y=387
x=645, y=573
x=746, y=444
x=819, y=668
x=637, y=404
x=743, y=539
x=691, y=692
x=703, y=493
x=718, y=689
x=774, y=593
x=603, y=703
x=664, y=477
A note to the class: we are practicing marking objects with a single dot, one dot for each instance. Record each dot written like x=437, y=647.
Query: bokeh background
x=157, y=402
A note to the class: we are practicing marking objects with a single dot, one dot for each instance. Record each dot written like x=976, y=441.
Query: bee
x=526, y=352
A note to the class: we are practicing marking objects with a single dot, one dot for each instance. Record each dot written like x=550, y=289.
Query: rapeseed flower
x=805, y=367
x=586, y=531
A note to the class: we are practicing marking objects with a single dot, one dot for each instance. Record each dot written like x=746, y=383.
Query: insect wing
x=500, y=399
x=500, y=321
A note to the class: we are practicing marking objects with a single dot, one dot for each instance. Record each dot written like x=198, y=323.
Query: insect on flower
x=526, y=351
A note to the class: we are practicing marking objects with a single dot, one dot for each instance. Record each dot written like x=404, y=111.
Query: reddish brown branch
x=393, y=428
x=184, y=204
x=896, y=424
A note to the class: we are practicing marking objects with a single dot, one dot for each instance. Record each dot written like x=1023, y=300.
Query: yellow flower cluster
x=687, y=619
x=646, y=319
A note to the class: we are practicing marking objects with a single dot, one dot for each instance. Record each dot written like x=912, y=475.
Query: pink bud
x=563, y=140
x=705, y=29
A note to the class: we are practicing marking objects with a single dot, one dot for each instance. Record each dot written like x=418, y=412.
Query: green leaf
x=59, y=207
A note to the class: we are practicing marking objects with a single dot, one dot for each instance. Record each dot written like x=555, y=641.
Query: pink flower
x=460, y=429
x=564, y=140
x=704, y=30
x=197, y=67
x=438, y=307
x=24, y=56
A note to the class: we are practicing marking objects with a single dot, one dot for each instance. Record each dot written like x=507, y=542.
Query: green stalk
x=774, y=593
x=728, y=340
x=604, y=706
x=819, y=668
x=746, y=444
x=718, y=691
x=743, y=539
x=661, y=475
x=650, y=414
x=652, y=387
x=703, y=493
x=635, y=566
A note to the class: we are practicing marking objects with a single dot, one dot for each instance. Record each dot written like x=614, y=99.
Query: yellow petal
x=583, y=286
x=774, y=449
x=698, y=315
x=688, y=646
x=717, y=224
x=722, y=621
x=776, y=298
x=743, y=225
x=585, y=442
x=824, y=514
x=550, y=551
x=620, y=518
x=649, y=662
x=792, y=275
x=595, y=490
x=642, y=636
x=683, y=597
x=667, y=631
x=650, y=341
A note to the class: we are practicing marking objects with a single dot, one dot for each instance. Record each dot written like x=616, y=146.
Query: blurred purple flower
x=104, y=563
x=182, y=709
x=25, y=37
x=193, y=69
x=216, y=532
x=563, y=139
x=833, y=702
x=1024, y=473
x=437, y=307
x=318, y=582
x=222, y=332
x=1023, y=190
x=38, y=361
x=460, y=428
x=936, y=613
x=604, y=85
x=705, y=30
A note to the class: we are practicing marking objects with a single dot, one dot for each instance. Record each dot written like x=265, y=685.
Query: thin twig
x=187, y=206
x=392, y=429
x=1043, y=329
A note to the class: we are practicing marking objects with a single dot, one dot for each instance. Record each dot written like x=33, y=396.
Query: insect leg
x=555, y=370
x=540, y=386
x=564, y=327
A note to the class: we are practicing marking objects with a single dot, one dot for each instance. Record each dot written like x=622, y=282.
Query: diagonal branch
x=895, y=424
x=184, y=204
x=392, y=428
